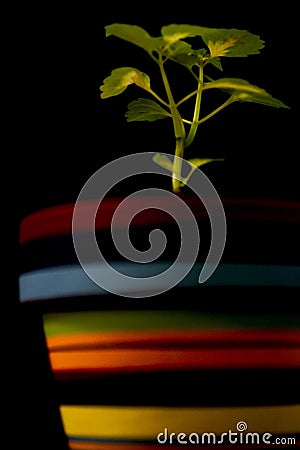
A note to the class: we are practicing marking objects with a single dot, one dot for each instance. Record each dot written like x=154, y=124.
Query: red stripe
x=136, y=361
x=57, y=220
x=173, y=338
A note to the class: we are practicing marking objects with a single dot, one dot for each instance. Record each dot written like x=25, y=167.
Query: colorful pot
x=208, y=363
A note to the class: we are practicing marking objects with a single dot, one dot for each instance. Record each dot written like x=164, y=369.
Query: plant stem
x=215, y=111
x=179, y=131
x=158, y=98
x=194, y=126
x=187, y=97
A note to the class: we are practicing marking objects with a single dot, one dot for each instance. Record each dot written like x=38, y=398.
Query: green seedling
x=173, y=47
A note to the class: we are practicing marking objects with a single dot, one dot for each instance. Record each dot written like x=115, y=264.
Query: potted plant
x=169, y=362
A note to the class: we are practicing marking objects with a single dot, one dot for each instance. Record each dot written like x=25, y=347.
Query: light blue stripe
x=70, y=281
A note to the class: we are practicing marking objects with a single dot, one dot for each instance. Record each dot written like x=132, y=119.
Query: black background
x=63, y=132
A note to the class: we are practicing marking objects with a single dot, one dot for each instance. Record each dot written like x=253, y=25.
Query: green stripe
x=92, y=321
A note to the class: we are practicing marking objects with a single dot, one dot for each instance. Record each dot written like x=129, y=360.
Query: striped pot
x=213, y=363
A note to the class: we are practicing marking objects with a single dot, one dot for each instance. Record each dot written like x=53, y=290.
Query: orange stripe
x=278, y=337
x=188, y=359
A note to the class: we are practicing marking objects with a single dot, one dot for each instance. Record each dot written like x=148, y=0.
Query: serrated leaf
x=242, y=90
x=122, y=77
x=135, y=35
x=145, y=110
x=220, y=41
x=232, y=42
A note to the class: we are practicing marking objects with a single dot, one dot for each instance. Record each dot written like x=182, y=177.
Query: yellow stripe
x=146, y=422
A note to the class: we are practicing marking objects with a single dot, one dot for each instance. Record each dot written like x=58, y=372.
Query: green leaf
x=221, y=42
x=233, y=84
x=217, y=63
x=201, y=161
x=122, y=77
x=197, y=162
x=163, y=161
x=265, y=99
x=232, y=42
x=182, y=53
x=145, y=110
x=135, y=35
x=179, y=50
x=242, y=90
x=173, y=33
